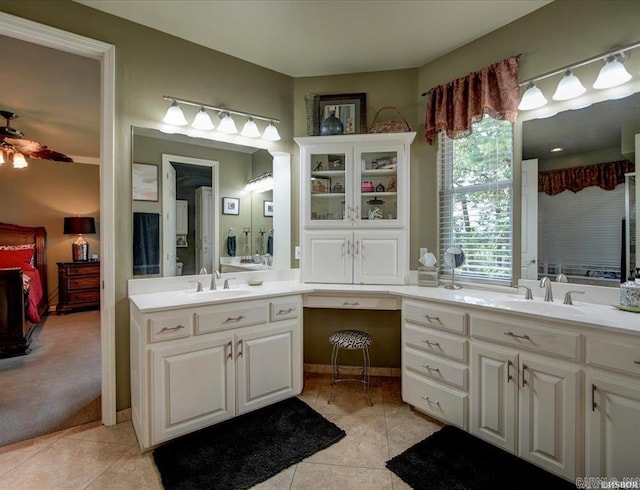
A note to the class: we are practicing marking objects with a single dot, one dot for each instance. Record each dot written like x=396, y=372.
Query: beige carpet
x=57, y=385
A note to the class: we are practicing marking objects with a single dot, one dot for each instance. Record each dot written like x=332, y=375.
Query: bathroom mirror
x=580, y=234
x=200, y=201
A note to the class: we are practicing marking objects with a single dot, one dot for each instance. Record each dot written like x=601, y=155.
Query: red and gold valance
x=454, y=106
x=605, y=175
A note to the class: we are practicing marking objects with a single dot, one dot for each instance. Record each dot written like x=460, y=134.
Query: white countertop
x=602, y=316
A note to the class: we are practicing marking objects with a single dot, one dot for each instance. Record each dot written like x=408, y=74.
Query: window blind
x=475, y=199
x=575, y=246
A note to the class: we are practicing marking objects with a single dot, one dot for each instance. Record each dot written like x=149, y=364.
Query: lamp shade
x=79, y=225
x=612, y=74
x=175, y=116
x=202, y=121
x=271, y=133
x=569, y=87
x=532, y=98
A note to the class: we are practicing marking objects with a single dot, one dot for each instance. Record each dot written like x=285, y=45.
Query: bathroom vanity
x=555, y=384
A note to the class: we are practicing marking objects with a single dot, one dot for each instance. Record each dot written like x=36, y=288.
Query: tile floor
x=96, y=457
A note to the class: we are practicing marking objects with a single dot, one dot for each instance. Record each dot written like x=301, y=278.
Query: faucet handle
x=567, y=297
x=527, y=293
x=198, y=287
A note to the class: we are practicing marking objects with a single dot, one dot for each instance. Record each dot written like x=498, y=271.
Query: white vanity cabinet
x=194, y=367
x=613, y=406
x=354, y=208
x=435, y=361
x=522, y=399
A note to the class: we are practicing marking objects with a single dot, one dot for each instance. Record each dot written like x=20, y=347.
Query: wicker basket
x=393, y=126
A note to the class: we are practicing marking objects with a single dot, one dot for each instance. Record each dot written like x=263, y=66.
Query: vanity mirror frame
x=526, y=256
x=281, y=164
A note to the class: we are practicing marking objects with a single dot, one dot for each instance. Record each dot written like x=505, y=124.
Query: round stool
x=351, y=340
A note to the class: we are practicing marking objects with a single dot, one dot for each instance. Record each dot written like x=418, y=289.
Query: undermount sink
x=537, y=306
x=214, y=294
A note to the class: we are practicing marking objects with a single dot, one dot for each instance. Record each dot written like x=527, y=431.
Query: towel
x=270, y=245
x=146, y=243
x=231, y=246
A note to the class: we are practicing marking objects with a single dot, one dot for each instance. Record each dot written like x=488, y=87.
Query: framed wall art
x=351, y=109
x=231, y=205
x=267, y=208
x=145, y=182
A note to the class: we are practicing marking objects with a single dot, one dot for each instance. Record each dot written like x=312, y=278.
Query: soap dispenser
x=257, y=259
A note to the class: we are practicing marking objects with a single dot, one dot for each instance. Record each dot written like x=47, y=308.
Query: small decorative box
x=630, y=294
x=428, y=276
x=367, y=186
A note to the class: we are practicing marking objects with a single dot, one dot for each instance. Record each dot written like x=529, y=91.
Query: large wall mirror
x=581, y=234
x=192, y=208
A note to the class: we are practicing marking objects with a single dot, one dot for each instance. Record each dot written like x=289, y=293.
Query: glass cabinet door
x=378, y=185
x=328, y=186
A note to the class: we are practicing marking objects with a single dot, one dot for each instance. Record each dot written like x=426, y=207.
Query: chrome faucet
x=527, y=294
x=214, y=275
x=561, y=278
x=226, y=282
x=546, y=283
x=198, y=285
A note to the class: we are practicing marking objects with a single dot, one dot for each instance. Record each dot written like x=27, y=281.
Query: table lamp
x=79, y=226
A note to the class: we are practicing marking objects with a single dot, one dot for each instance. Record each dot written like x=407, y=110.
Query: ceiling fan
x=14, y=149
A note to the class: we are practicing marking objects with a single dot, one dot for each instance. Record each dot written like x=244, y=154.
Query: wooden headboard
x=21, y=235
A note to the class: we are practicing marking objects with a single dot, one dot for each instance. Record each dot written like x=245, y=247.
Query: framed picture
x=320, y=185
x=267, y=208
x=351, y=109
x=230, y=205
x=145, y=182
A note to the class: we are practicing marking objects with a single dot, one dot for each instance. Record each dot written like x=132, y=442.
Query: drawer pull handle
x=636, y=362
x=232, y=319
x=240, y=348
x=171, y=329
x=347, y=303
x=593, y=398
x=524, y=381
x=433, y=319
x=434, y=402
x=432, y=344
x=284, y=312
x=516, y=336
x=429, y=368
x=230, y=346
x=509, y=377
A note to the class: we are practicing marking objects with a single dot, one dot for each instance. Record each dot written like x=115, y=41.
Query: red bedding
x=22, y=258
x=34, y=295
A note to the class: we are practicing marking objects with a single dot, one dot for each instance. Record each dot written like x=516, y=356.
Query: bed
x=23, y=286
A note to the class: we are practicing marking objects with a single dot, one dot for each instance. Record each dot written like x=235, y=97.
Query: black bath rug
x=452, y=459
x=246, y=450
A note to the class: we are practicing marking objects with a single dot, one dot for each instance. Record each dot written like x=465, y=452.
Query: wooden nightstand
x=78, y=286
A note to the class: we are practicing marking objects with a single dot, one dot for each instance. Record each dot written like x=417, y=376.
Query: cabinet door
x=549, y=416
x=182, y=220
x=379, y=257
x=192, y=385
x=327, y=186
x=203, y=229
x=269, y=363
x=494, y=396
x=380, y=190
x=613, y=431
x=327, y=256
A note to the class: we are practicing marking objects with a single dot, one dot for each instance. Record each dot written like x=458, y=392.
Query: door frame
x=33, y=32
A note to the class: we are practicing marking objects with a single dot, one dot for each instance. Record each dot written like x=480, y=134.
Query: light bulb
x=569, y=87
x=19, y=161
x=174, y=115
x=271, y=133
x=250, y=129
x=532, y=98
x=227, y=125
x=202, y=121
x=612, y=74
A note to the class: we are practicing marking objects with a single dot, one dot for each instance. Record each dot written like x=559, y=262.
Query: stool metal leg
x=365, y=374
x=335, y=373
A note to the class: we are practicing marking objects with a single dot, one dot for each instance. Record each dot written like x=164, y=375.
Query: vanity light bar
x=222, y=110
x=611, y=74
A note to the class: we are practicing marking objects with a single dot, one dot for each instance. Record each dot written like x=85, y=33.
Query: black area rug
x=246, y=450
x=452, y=459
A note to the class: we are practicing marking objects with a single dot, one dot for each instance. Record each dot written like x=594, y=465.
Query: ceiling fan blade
x=34, y=149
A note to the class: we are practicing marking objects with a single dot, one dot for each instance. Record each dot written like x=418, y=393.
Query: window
x=475, y=189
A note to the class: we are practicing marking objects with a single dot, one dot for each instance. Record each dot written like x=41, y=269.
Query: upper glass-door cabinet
x=328, y=178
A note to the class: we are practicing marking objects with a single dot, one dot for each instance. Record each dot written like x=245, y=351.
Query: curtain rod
x=517, y=56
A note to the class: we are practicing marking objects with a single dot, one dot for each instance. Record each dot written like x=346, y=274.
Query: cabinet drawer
x=540, y=339
x=614, y=354
x=436, y=400
x=76, y=270
x=352, y=302
x=83, y=283
x=170, y=325
x=83, y=297
x=223, y=318
x=435, y=368
x=284, y=309
x=425, y=314
x=435, y=342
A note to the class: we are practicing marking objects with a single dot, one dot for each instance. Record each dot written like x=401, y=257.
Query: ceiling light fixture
x=612, y=74
x=19, y=161
x=227, y=125
x=261, y=183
